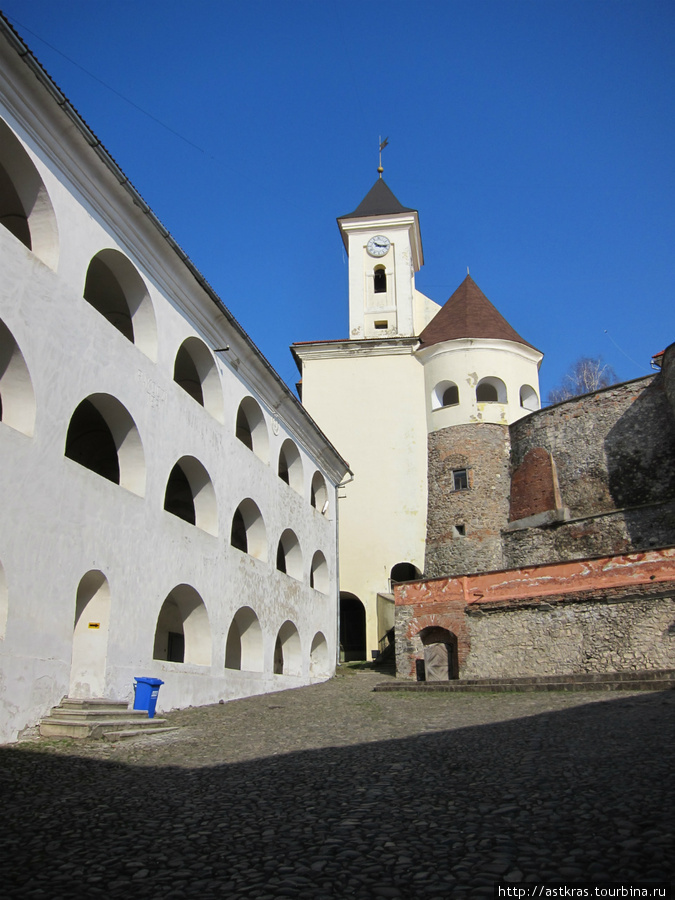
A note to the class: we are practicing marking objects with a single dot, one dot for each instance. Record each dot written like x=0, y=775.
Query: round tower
x=479, y=376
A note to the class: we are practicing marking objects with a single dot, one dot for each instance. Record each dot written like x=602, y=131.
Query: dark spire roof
x=468, y=314
x=379, y=201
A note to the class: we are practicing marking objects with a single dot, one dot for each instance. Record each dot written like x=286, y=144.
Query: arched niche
x=90, y=636
x=318, y=573
x=196, y=372
x=287, y=652
x=289, y=555
x=25, y=207
x=491, y=390
x=248, y=532
x=4, y=602
x=440, y=654
x=404, y=571
x=251, y=428
x=103, y=437
x=528, y=398
x=116, y=290
x=446, y=393
x=190, y=495
x=352, y=628
x=290, y=465
x=319, y=657
x=17, y=398
x=244, y=647
x=319, y=494
x=183, y=632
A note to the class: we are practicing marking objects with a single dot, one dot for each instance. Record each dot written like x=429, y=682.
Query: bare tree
x=585, y=375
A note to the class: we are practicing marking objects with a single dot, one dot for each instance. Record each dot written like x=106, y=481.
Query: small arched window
x=195, y=371
x=251, y=429
x=491, y=390
x=528, y=398
x=380, y=280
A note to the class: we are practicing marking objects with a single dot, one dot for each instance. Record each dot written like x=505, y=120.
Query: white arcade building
x=168, y=506
x=408, y=368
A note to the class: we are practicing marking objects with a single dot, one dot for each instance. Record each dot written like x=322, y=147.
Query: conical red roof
x=468, y=314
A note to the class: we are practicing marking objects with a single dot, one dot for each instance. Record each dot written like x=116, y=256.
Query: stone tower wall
x=481, y=510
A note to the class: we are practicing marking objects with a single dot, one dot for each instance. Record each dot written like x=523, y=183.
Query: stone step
x=624, y=675
x=137, y=732
x=61, y=726
x=662, y=680
x=91, y=703
x=103, y=712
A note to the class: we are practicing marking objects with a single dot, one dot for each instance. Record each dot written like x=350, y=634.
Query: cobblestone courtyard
x=334, y=791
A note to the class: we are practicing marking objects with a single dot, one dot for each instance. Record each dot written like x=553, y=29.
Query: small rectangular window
x=460, y=480
x=382, y=324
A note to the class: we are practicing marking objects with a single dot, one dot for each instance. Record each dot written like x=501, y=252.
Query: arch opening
x=196, y=372
x=289, y=555
x=528, y=398
x=17, y=398
x=244, y=646
x=287, y=651
x=183, y=632
x=290, y=465
x=190, y=495
x=352, y=628
x=380, y=280
x=318, y=573
x=319, y=657
x=116, y=290
x=319, y=494
x=103, y=438
x=248, y=532
x=90, y=636
x=491, y=390
x=251, y=428
x=26, y=210
x=440, y=654
x=404, y=571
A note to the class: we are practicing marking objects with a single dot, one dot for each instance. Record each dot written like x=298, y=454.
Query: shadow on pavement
x=581, y=794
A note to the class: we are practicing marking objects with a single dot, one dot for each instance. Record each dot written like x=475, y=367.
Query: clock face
x=378, y=245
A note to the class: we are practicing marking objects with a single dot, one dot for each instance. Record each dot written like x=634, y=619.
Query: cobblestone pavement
x=333, y=791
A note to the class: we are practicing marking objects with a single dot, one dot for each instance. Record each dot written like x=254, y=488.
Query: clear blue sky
x=535, y=137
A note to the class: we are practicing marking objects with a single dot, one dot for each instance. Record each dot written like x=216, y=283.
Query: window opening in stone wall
x=381, y=325
x=238, y=535
x=487, y=393
x=103, y=291
x=251, y=428
x=319, y=493
x=26, y=210
x=380, y=280
x=451, y=396
x=459, y=530
x=281, y=558
x=178, y=498
x=17, y=399
x=185, y=375
x=460, y=479
x=12, y=214
x=183, y=632
x=90, y=442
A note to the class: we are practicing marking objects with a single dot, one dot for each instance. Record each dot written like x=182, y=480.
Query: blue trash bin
x=146, y=691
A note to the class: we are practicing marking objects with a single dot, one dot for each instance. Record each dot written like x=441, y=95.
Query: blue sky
x=535, y=137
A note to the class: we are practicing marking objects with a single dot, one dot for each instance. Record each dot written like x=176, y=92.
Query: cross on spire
x=383, y=144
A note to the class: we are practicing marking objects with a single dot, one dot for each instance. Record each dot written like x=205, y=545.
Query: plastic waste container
x=146, y=691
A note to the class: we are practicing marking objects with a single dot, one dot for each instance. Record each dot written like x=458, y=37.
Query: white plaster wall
x=61, y=520
x=372, y=407
x=466, y=362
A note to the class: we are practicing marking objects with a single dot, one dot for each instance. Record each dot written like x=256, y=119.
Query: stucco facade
x=169, y=508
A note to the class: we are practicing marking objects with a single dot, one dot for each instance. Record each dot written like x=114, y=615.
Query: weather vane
x=383, y=144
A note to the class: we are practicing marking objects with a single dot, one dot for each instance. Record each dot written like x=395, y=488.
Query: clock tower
x=384, y=246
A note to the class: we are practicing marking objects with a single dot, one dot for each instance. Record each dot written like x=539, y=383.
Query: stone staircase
x=110, y=720
x=646, y=680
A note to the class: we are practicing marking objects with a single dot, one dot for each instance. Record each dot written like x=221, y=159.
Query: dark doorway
x=352, y=628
